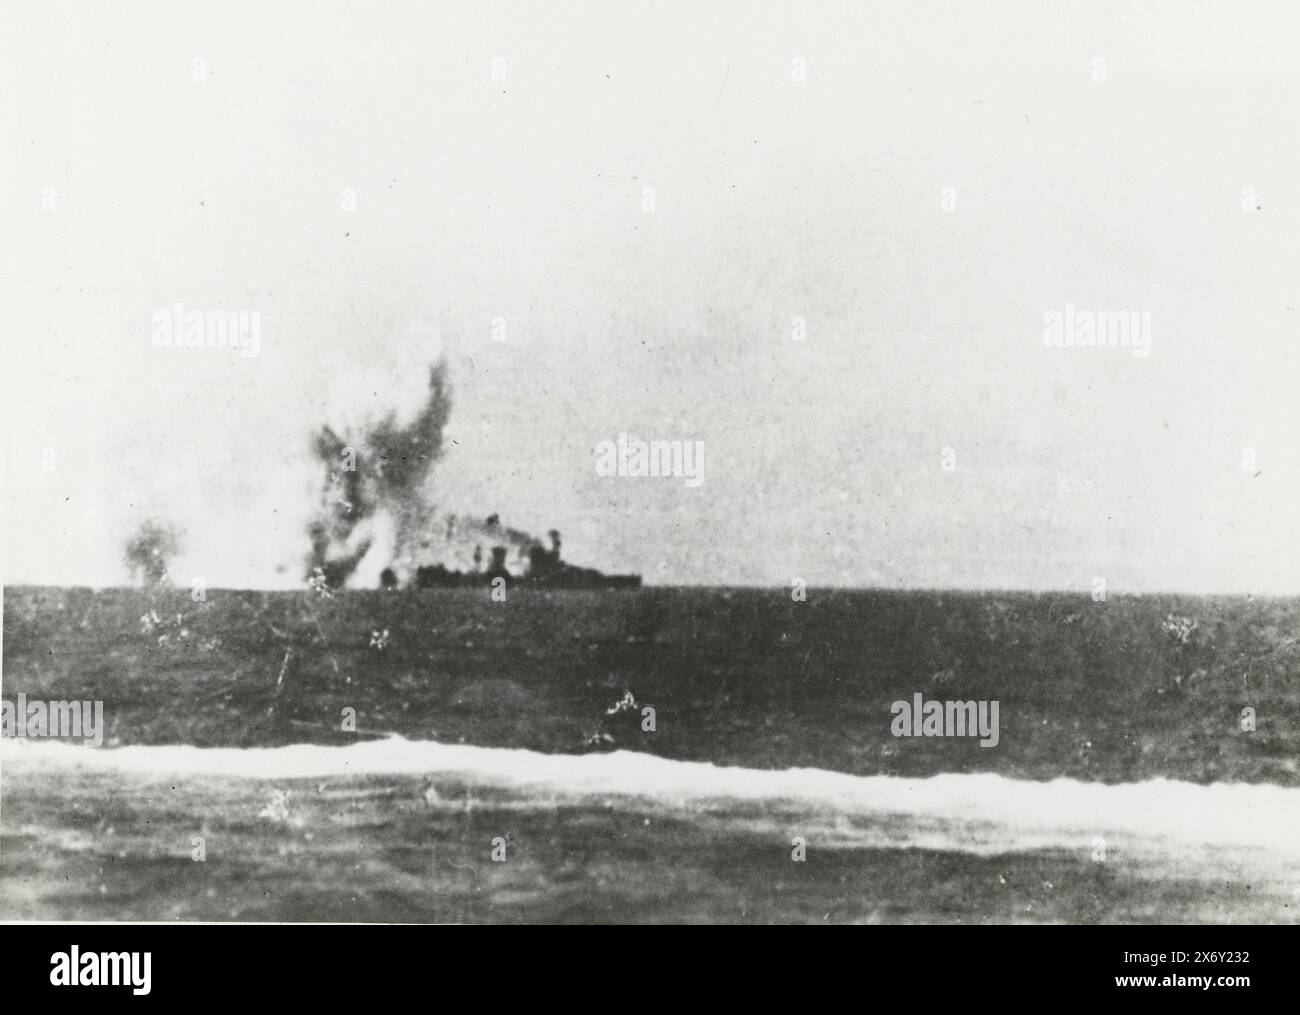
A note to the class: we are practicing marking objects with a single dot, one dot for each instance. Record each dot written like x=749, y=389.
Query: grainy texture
x=1094, y=691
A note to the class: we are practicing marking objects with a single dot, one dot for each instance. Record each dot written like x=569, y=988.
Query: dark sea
x=667, y=755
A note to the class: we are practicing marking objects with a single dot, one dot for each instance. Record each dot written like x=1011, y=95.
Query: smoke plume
x=149, y=552
x=377, y=498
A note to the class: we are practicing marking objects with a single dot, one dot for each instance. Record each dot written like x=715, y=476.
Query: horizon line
x=739, y=587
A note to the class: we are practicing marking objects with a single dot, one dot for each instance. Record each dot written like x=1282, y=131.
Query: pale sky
x=798, y=155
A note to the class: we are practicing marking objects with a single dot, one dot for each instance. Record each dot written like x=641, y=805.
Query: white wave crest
x=982, y=813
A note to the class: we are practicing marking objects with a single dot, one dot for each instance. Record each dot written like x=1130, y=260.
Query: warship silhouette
x=533, y=565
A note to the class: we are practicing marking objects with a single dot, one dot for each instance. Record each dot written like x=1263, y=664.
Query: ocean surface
x=1154, y=837
x=501, y=770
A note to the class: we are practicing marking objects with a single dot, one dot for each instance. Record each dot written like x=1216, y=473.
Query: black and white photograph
x=648, y=462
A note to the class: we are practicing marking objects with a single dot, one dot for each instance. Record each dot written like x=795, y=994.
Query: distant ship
x=535, y=564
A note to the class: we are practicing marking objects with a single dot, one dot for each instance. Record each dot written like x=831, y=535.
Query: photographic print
x=650, y=463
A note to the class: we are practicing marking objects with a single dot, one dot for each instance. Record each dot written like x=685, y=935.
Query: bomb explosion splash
x=149, y=551
x=377, y=495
